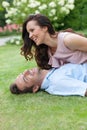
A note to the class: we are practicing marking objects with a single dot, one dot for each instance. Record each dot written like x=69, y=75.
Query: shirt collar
x=45, y=82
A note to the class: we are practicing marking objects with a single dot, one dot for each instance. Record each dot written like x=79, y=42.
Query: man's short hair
x=15, y=90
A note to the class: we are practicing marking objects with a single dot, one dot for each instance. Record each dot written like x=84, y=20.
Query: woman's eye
x=31, y=30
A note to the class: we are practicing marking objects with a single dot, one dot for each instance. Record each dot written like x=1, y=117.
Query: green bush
x=7, y=33
x=2, y=13
x=55, y=10
x=77, y=19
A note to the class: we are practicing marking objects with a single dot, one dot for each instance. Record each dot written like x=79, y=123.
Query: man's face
x=27, y=79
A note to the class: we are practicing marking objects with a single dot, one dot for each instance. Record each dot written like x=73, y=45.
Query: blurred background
x=62, y=13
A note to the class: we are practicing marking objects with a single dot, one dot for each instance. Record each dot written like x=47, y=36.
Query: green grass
x=7, y=33
x=39, y=111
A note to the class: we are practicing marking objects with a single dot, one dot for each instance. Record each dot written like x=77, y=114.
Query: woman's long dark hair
x=30, y=49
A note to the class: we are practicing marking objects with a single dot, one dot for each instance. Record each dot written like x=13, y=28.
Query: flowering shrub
x=10, y=28
x=15, y=40
x=18, y=11
x=56, y=10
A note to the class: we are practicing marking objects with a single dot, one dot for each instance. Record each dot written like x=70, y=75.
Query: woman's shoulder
x=62, y=34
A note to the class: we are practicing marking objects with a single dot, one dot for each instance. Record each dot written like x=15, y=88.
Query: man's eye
x=25, y=80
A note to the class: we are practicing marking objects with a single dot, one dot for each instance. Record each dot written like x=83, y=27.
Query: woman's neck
x=51, y=40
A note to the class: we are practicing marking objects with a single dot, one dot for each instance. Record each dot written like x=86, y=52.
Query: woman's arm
x=75, y=42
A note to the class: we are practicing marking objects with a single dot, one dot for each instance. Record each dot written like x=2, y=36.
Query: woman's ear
x=45, y=28
x=35, y=88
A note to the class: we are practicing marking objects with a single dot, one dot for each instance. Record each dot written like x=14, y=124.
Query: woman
x=52, y=49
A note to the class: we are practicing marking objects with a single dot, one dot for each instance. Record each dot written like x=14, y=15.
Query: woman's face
x=36, y=33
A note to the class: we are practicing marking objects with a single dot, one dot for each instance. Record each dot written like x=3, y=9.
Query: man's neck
x=42, y=75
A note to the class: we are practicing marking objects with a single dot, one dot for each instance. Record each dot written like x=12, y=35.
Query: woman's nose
x=30, y=35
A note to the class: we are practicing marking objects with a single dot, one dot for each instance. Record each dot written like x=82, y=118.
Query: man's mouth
x=30, y=72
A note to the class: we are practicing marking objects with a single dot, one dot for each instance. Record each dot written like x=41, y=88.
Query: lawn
x=39, y=111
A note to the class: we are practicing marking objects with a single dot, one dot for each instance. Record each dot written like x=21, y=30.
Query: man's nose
x=25, y=73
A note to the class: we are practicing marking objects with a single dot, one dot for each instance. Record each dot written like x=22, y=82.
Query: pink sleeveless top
x=64, y=55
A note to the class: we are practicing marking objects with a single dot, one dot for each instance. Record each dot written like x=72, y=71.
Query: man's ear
x=35, y=88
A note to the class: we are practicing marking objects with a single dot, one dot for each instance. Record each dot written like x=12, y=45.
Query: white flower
x=19, y=37
x=69, y=6
x=18, y=3
x=61, y=2
x=37, y=12
x=34, y=4
x=17, y=42
x=12, y=11
x=6, y=15
x=24, y=1
x=63, y=9
x=71, y=1
x=55, y=18
x=8, y=21
x=14, y=2
x=62, y=24
x=23, y=14
x=53, y=11
x=5, y=4
x=67, y=11
x=32, y=1
x=42, y=7
x=52, y=4
x=12, y=41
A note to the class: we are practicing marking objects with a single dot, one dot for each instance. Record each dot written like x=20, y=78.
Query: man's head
x=15, y=90
x=28, y=81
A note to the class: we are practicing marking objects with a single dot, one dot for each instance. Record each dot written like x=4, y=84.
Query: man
x=70, y=79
